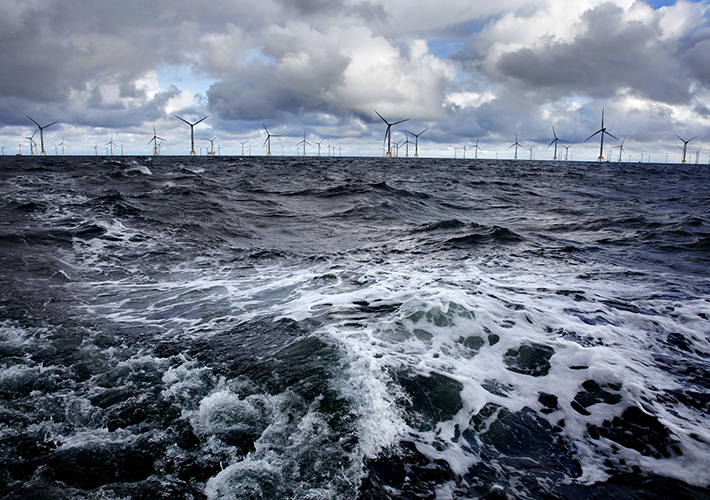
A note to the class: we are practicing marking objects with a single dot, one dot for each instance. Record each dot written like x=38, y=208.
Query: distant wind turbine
x=33, y=143
x=388, y=133
x=304, y=142
x=242, y=143
x=621, y=147
x=156, y=145
x=567, y=151
x=41, y=133
x=516, y=144
x=555, y=141
x=192, y=132
x=111, y=144
x=685, y=145
x=62, y=145
x=267, y=142
x=476, y=149
x=416, y=140
x=601, y=131
x=319, y=143
x=211, y=141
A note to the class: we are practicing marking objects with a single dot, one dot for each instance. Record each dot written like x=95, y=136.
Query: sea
x=337, y=328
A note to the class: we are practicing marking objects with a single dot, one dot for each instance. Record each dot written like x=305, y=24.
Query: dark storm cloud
x=610, y=54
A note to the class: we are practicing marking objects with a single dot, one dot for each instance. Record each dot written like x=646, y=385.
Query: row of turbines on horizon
x=387, y=143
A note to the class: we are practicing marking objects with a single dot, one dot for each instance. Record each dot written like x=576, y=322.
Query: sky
x=468, y=71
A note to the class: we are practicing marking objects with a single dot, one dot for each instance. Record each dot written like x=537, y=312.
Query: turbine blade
x=612, y=135
x=400, y=121
x=182, y=119
x=374, y=110
x=34, y=122
x=267, y=130
x=46, y=126
x=420, y=133
x=693, y=138
x=200, y=120
x=595, y=133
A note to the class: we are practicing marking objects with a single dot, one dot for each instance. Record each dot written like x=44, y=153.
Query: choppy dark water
x=339, y=328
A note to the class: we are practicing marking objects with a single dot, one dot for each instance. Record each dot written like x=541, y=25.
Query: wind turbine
x=154, y=140
x=41, y=133
x=192, y=132
x=33, y=143
x=601, y=131
x=697, y=156
x=621, y=147
x=416, y=140
x=111, y=144
x=567, y=151
x=211, y=141
x=555, y=141
x=304, y=142
x=96, y=149
x=388, y=135
x=19, y=145
x=62, y=145
x=516, y=144
x=319, y=143
x=267, y=142
x=242, y=143
x=476, y=149
x=685, y=145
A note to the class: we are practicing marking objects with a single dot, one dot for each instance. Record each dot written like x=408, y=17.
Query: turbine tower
x=267, y=142
x=319, y=143
x=156, y=145
x=416, y=140
x=601, y=131
x=555, y=141
x=41, y=133
x=388, y=135
x=242, y=143
x=516, y=144
x=192, y=132
x=685, y=145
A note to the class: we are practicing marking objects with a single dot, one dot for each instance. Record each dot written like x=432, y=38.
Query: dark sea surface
x=351, y=328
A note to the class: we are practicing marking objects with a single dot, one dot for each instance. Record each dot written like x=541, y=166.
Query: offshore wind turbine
x=516, y=144
x=41, y=133
x=555, y=141
x=111, y=144
x=304, y=142
x=416, y=140
x=685, y=145
x=388, y=133
x=211, y=141
x=319, y=143
x=156, y=145
x=33, y=143
x=192, y=132
x=242, y=143
x=601, y=131
x=267, y=142
x=62, y=145
x=476, y=148
x=621, y=147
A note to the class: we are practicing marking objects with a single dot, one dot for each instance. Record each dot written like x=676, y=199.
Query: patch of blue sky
x=183, y=77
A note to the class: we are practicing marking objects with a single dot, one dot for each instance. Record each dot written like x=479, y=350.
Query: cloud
x=341, y=72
